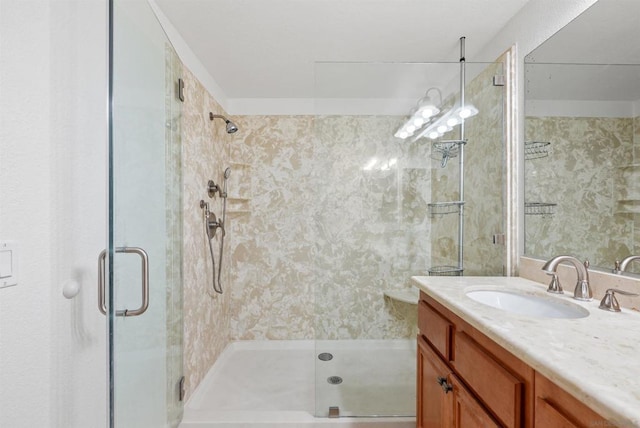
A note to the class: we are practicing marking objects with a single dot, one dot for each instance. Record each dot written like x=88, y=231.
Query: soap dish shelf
x=411, y=295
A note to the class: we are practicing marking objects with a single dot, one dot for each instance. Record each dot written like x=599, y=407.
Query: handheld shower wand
x=212, y=224
x=223, y=194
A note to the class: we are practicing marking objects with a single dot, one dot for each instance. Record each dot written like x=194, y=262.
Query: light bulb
x=442, y=129
x=466, y=111
x=427, y=112
x=418, y=121
x=403, y=134
x=452, y=122
x=410, y=129
x=433, y=135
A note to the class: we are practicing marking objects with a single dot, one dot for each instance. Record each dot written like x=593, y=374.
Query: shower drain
x=334, y=380
x=325, y=356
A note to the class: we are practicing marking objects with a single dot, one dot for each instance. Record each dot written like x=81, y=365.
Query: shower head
x=231, y=127
x=227, y=173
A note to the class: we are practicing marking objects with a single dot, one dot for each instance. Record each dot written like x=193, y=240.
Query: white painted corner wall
x=53, y=139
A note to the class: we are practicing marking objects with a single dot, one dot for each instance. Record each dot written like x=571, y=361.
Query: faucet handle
x=609, y=301
x=616, y=267
x=554, y=285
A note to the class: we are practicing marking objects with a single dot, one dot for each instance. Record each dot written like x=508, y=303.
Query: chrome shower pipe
x=461, y=159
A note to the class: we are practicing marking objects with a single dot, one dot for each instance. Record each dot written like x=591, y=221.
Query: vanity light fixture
x=447, y=121
x=424, y=111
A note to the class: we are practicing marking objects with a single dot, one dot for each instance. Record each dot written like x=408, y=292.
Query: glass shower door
x=143, y=256
x=375, y=224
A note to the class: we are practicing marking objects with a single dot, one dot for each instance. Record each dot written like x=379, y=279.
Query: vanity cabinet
x=444, y=401
x=555, y=408
x=467, y=380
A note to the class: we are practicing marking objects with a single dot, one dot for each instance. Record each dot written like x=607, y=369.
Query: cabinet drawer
x=547, y=416
x=435, y=328
x=493, y=384
x=557, y=408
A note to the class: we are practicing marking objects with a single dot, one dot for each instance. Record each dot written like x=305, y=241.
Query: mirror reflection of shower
x=213, y=223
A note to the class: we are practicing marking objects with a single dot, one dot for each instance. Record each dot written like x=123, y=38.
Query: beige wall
x=324, y=238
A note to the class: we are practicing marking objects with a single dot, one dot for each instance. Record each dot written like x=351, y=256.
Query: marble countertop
x=596, y=359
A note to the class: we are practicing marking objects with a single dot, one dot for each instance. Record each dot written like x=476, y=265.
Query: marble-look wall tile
x=580, y=177
x=271, y=246
x=204, y=157
x=324, y=237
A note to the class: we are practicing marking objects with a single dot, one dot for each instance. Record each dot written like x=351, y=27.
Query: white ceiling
x=267, y=48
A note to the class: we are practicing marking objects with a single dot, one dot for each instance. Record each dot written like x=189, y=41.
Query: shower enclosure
x=141, y=265
x=342, y=216
x=374, y=226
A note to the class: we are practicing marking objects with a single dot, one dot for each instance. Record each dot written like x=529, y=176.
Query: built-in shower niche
x=627, y=189
x=239, y=196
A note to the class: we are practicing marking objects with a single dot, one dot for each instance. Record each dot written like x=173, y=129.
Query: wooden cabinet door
x=490, y=380
x=467, y=411
x=433, y=404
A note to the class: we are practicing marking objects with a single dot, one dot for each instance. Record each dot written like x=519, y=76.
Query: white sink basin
x=528, y=304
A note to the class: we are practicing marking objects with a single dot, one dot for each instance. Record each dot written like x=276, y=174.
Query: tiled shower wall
x=589, y=157
x=204, y=157
x=325, y=237
x=325, y=214
x=313, y=239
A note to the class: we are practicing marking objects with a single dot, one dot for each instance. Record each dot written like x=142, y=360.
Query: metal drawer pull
x=145, y=282
x=442, y=381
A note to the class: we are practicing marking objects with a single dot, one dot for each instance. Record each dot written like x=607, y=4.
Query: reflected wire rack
x=442, y=208
x=445, y=271
x=536, y=149
x=539, y=208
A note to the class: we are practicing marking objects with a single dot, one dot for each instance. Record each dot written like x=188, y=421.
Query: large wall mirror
x=582, y=138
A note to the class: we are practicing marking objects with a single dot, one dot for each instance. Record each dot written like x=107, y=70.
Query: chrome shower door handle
x=145, y=282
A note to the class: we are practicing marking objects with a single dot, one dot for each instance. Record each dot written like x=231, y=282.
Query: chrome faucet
x=622, y=266
x=582, y=290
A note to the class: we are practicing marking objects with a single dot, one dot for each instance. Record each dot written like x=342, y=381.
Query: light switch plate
x=8, y=263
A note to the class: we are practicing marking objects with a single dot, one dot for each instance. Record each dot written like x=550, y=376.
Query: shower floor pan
x=269, y=384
